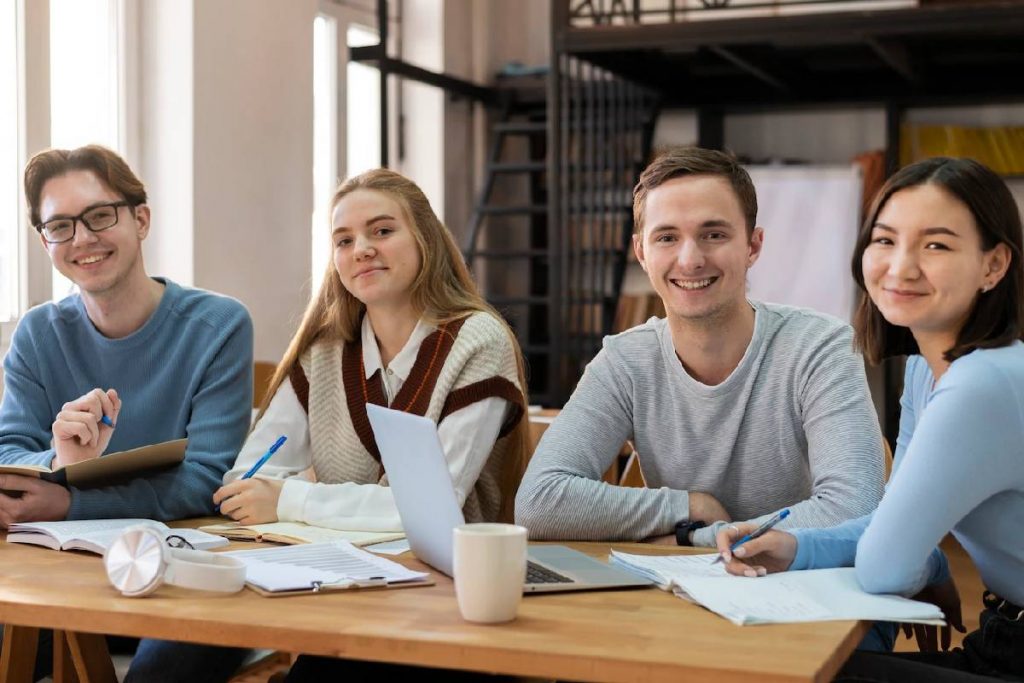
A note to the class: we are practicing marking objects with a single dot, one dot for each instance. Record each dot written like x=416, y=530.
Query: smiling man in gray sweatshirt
x=737, y=408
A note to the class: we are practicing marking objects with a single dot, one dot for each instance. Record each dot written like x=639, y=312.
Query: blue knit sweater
x=187, y=372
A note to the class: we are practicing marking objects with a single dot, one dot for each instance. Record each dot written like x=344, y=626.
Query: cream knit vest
x=446, y=376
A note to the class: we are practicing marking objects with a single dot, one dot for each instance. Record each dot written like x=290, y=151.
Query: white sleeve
x=285, y=416
x=467, y=438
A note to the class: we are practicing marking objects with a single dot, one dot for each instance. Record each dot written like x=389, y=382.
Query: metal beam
x=373, y=55
x=843, y=28
x=755, y=71
x=896, y=56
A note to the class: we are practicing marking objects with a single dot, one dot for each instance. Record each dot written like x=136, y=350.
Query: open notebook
x=293, y=533
x=96, y=535
x=786, y=597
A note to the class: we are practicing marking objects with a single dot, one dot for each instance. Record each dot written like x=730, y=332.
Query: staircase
x=548, y=233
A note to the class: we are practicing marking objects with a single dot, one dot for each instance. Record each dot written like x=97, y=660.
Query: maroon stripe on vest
x=493, y=387
x=300, y=384
x=414, y=397
x=351, y=376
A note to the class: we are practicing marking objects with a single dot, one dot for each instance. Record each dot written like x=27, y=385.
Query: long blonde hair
x=443, y=291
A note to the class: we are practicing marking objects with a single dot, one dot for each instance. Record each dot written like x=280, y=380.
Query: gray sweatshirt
x=792, y=426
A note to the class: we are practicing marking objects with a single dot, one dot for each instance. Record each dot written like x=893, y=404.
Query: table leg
x=63, y=667
x=91, y=658
x=18, y=657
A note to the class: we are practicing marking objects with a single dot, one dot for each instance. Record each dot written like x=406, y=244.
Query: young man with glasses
x=127, y=361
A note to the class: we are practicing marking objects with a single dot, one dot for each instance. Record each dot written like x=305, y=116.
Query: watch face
x=136, y=561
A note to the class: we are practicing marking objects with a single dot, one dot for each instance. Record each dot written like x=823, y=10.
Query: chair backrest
x=630, y=476
x=262, y=372
x=631, y=473
x=888, y=458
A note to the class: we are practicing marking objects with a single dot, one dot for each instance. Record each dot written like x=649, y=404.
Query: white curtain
x=810, y=216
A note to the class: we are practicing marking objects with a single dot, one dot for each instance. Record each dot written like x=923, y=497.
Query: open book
x=96, y=535
x=293, y=533
x=315, y=567
x=107, y=469
x=786, y=597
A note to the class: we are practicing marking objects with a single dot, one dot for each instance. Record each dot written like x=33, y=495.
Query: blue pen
x=107, y=421
x=266, y=456
x=262, y=461
x=757, y=533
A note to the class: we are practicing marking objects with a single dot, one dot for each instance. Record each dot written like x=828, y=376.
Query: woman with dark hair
x=939, y=264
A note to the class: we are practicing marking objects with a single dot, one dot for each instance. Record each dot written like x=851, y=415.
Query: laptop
x=425, y=497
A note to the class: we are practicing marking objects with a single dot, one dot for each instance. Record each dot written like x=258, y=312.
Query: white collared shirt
x=467, y=438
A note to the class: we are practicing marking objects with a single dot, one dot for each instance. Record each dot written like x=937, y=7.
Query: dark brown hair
x=683, y=161
x=998, y=314
x=105, y=163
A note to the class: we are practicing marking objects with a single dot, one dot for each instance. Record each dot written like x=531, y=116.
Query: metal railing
x=583, y=13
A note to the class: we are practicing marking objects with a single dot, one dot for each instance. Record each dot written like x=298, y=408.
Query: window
x=358, y=149
x=363, y=95
x=84, y=101
x=325, y=124
x=10, y=199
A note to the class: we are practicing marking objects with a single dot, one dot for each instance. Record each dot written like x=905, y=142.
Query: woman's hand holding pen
x=250, y=501
x=767, y=554
x=84, y=426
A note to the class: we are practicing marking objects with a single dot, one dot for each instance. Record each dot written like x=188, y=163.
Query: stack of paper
x=787, y=597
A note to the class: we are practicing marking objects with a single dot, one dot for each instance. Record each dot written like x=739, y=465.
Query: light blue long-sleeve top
x=959, y=467
x=187, y=372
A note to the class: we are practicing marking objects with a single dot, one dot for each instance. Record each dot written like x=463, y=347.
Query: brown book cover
x=108, y=469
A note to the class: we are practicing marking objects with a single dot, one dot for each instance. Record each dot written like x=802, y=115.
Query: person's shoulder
x=41, y=319
x=645, y=336
x=989, y=372
x=208, y=308
x=482, y=331
x=483, y=324
x=801, y=321
x=802, y=332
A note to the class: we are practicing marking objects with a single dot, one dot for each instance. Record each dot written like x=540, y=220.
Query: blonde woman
x=398, y=321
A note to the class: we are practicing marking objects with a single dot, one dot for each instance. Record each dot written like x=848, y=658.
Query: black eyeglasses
x=176, y=541
x=96, y=219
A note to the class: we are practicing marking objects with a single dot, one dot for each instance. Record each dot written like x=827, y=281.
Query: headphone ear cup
x=137, y=561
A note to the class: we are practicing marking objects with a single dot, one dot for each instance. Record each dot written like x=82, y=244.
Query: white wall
x=226, y=98
x=253, y=150
x=166, y=163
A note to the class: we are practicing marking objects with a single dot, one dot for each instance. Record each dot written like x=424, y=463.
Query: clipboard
x=315, y=568
x=319, y=588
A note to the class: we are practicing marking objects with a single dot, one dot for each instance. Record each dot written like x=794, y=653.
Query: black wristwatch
x=683, y=530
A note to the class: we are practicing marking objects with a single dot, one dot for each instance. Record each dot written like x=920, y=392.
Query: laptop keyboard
x=535, y=573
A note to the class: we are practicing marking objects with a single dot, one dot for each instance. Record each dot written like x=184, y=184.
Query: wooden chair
x=262, y=371
x=888, y=458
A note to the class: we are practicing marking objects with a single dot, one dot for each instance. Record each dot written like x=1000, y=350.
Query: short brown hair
x=998, y=315
x=684, y=161
x=105, y=163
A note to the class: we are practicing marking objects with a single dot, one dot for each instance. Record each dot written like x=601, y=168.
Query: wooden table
x=634, y=635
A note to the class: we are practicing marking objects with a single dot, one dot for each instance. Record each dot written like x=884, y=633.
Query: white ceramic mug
x=490, y=570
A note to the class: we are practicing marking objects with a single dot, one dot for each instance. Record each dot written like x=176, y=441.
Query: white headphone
x=140, y=561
